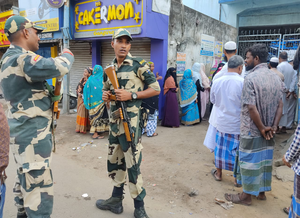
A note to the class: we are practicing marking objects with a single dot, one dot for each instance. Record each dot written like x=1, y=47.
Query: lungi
x=225, y=151
x=255, y=162
x=151, y=124
x=295, y=205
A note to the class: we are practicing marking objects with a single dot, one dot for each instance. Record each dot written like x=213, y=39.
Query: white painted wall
x=210, y=8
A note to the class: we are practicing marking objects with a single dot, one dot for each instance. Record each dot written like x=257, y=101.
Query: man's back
x=264, y=90
x=287, y=70
x=226, y=96
x=281, y=76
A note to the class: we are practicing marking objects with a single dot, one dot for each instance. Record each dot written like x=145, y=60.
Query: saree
x=99, y=119
x=82, y=120
x=187, y=97
x=198, y=81
x=92, y=93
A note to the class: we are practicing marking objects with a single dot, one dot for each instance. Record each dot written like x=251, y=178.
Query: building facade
x=93, y=23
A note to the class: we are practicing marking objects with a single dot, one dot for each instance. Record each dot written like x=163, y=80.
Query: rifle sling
x=51, y=92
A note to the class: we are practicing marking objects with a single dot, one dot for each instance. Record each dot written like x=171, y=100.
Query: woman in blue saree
x=188, y=99
x=93, y=102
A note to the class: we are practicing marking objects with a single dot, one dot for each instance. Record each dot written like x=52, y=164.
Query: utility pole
x=66, y=40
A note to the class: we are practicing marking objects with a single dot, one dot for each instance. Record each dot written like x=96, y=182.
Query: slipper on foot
x=286, y=210
x=236, y=199
x=213, y=173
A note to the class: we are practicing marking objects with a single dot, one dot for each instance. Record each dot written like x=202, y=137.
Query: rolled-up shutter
x=83, y=59
x=139, y=48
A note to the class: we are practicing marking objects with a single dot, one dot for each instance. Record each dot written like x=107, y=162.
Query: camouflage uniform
x=23, y=74
x=132, y=75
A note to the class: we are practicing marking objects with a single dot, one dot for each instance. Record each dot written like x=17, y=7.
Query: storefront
x=94, y=23
x=4, y=43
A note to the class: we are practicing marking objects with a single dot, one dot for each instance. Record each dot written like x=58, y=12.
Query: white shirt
x=226, y=95
x=290, y=75
x=225, y=69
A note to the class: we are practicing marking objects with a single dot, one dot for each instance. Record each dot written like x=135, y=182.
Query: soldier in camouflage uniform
x=23, y=74
x=132, y=74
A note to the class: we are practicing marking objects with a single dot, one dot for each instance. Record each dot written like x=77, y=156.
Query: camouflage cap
x=121, y=32
x=17, y=22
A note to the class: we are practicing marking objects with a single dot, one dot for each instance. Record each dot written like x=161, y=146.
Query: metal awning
x=50, y=41
x=230, y=1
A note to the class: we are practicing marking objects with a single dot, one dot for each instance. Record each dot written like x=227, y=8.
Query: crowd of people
x=251, y=101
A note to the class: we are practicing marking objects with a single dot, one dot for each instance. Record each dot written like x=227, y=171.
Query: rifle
x=56, y=110
x=57, y=93
x=121, y=112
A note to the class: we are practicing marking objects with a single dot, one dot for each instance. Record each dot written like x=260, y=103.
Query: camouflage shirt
x=23, y=74
x=132, y=75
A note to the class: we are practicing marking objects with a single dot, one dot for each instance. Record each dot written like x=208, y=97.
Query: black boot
x=114, y=204
x=21, y=215
x=140, y=213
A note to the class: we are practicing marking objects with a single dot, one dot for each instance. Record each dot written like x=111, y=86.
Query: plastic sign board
x=207, y=45
x=96, y=18
x=181, y=59
x=40, y=13
x=218, y=49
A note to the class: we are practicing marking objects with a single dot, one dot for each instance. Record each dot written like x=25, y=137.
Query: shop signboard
x=55, y=3
x=96, y=18
x=4, y=42
x=207, y=45
x=40, y=13
x=181, y=59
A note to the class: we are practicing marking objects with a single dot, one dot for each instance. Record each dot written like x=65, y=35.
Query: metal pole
x=65, y=29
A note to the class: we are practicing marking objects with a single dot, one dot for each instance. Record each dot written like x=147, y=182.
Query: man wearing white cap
x=229, y=51
x=273, y=66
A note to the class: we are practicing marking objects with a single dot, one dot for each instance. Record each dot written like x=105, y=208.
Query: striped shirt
x=292, y=154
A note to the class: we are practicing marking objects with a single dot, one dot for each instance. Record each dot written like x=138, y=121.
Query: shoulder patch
x=36, y=58
x=142, y=61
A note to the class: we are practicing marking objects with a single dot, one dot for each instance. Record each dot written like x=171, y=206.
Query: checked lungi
x=255, y=164
x=295, y=205
x=151, y=124
x=225, y=151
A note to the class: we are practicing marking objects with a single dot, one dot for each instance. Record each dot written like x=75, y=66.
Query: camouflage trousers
x=33, y=192
x=120, y=160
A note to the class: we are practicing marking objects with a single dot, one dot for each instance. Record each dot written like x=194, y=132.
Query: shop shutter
x=83, y=59
x=139, y=48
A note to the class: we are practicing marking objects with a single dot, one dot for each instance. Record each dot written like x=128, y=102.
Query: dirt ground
x=174, y=164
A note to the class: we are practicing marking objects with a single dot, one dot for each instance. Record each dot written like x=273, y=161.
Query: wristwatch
x=134, y=96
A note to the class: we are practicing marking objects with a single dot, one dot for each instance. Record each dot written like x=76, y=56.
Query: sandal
x=286, y=210
x=98, y=137
x=237, y=185
x=213, y=173
x=236, y=199
x=154, y=134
